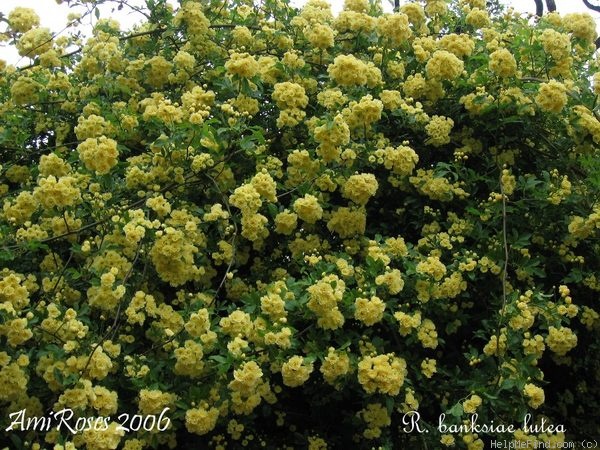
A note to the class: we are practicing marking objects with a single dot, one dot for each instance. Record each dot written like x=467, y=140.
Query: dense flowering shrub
x=295, y=230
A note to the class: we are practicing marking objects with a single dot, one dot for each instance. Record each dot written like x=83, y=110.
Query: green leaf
x=508, y=384
x=456, y=410
x=6, y=255
x=522, y=241
x=73, y=274
x=575, y=276
x=473, y=211
x=219, y=358
x=37, y=245
x=181, y=404
x=16, y=440
x=273, y=210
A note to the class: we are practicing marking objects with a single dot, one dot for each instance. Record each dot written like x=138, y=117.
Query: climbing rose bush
x=294, y=229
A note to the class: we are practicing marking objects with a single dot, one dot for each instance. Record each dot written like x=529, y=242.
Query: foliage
x=291, y=228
